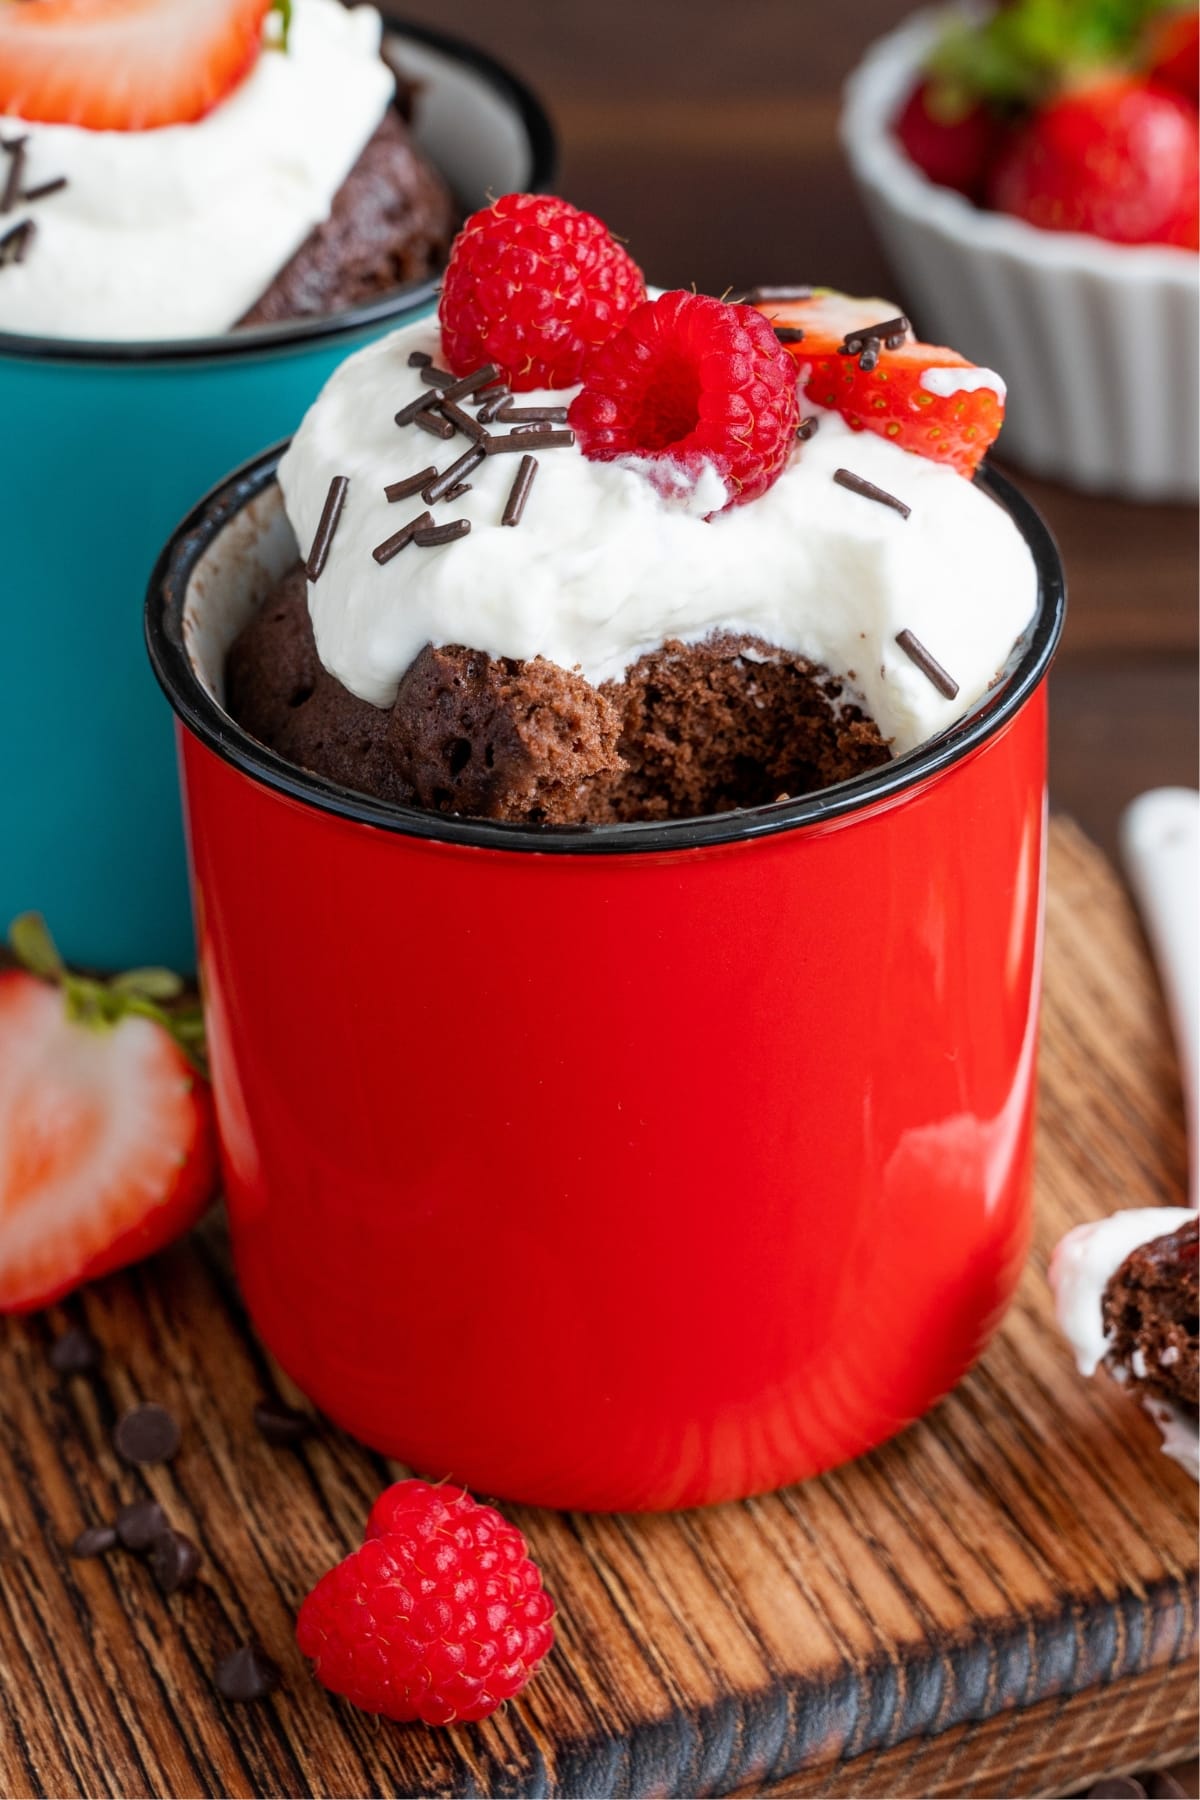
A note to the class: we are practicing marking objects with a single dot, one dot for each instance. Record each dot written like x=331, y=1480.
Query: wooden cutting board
x=1003, y=1601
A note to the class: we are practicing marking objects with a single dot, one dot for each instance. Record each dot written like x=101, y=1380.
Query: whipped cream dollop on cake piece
x=1081, y=1269
x=176, y=232
x=607, y=564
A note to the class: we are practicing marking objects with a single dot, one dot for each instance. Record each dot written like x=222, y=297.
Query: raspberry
x=534, y=285
x=440, y=1616
x=690, y=380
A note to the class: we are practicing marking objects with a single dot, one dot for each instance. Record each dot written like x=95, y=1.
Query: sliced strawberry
x=124, y=65
x=1118, y=160
x=106, y=1136
x=925, y=398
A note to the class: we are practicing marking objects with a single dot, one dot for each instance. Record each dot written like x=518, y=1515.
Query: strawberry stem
x=148, y=993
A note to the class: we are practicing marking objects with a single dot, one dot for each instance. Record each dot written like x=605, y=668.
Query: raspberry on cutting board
x=439, y=1616
x=924, y=397
x=534, y=286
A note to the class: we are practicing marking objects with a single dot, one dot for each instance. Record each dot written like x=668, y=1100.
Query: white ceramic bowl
x=1098, y=342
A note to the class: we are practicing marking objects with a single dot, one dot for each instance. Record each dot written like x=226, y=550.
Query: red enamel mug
x=623, y=1167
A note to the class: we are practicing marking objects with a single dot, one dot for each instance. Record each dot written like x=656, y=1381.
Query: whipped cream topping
x=1081, y=1268
x=176, y=232
x=950, y=380
x=604, y=567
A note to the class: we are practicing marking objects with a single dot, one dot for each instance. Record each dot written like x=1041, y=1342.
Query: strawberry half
x=106, y=1135
x=925, y=398
x=124, y=65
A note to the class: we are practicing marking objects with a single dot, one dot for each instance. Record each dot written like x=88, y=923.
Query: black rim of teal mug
x=166, y=596
x=295, y=334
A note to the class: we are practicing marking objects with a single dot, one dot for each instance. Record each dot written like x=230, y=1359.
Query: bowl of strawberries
x=1032, y=171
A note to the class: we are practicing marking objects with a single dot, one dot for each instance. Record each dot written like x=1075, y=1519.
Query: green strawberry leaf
x=33, y=947
x=282, y=9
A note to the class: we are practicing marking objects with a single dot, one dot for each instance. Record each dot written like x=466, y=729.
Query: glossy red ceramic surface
x=628, y=1181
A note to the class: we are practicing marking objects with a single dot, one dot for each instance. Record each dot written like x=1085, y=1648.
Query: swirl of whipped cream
x=604, y=566
x=176, y=232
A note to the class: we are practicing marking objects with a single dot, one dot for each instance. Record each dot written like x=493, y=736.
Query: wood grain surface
x=1000, y=1602
x=707, y=136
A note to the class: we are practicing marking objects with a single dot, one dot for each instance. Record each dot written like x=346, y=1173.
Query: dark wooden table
x=705, y=135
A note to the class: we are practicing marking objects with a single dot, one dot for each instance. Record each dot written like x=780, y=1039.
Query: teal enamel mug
x=102, y=448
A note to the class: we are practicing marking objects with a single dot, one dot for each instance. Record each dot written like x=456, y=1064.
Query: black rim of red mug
x=1027, y=665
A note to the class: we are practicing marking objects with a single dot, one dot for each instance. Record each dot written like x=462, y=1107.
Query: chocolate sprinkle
x=492, y=403
x=866, y=342
x=529, y=438
x=74, y=1353
x=412, y=484
x=174, y=1560
x=464, y=487
x=761, y=296
x=16, y=169
x=469, y=384
x=916, y=653
x=808, y=428
x=431, y=535
x=434, y=424
x=435, y=377
x=461, y=421
x=140, y=1523
x=409, y=413
x=281, y=1424
x=789, y=334
x=44, y=188
x=247, y=1673
x=858, y=484
x=147, y=1434
x=97, y=1540
x=419, y=359
x=16, y=241
x=400, y=540
x=331, y=512
x=519, y=492
x=542, y=415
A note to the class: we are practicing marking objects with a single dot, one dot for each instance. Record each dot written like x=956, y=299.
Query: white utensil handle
x=1160, y=842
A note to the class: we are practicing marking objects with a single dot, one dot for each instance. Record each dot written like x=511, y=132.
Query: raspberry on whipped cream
x=177, y=231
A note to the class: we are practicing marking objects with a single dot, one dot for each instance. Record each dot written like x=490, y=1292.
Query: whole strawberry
x=534, y=286
x=691, y=383
x=439, y=1616
x=106, y=1136
x=1119, y=160
x=953, y=144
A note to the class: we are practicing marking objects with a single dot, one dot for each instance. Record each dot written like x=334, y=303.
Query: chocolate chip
x=74, y=1353
x=1117, y=1787
x=140, y=1523
x=247, y=1673
x=95, y=1541
x=281, y=1424
x=174, y=1560
x=147, y=1434
x=1162, y=1785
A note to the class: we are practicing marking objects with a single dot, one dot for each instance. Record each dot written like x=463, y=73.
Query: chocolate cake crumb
x=691, y=729
x=391, y=222
x=1150, y=1313
x=277, y=687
